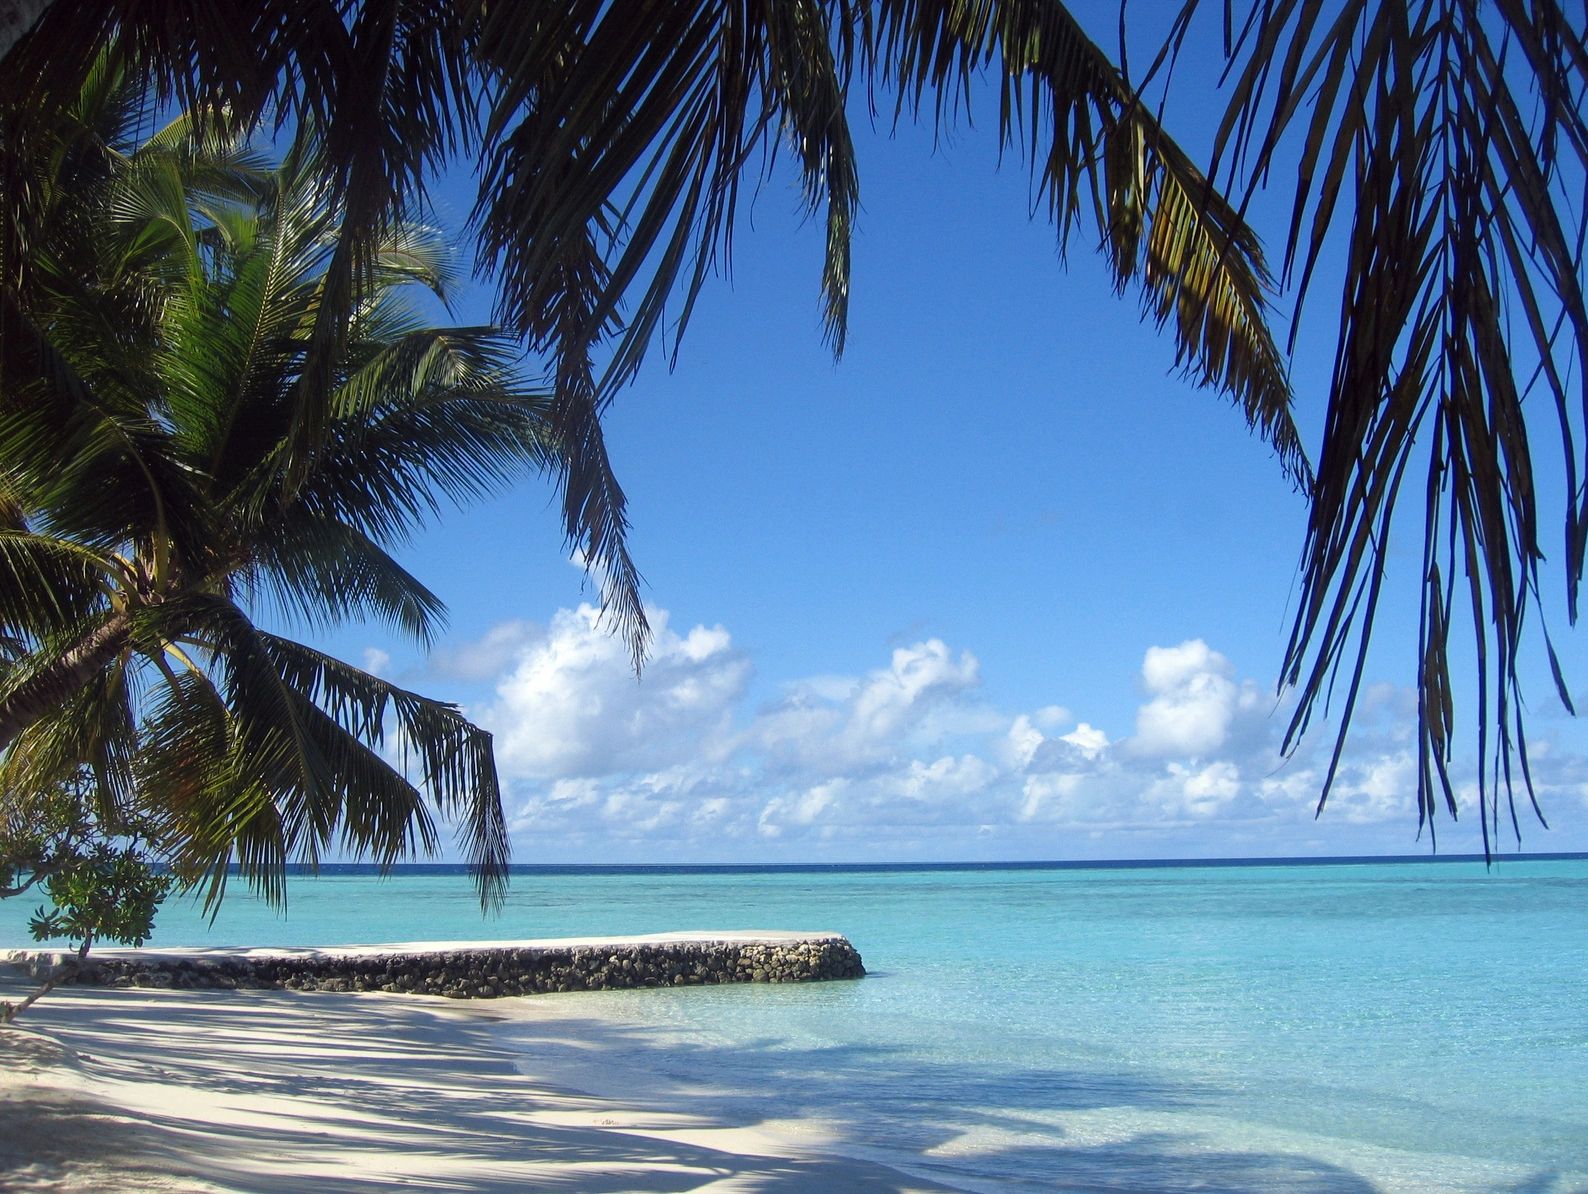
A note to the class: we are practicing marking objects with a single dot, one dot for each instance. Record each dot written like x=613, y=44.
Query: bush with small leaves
x=94, y=863
x=108, y=890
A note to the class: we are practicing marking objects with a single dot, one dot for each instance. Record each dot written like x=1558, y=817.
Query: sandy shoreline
x=156, y=1090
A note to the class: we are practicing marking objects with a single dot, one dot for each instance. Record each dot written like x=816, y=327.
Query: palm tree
x=154, y=490
x=1445, y=138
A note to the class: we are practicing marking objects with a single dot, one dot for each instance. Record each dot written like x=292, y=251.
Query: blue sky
x=999, y=584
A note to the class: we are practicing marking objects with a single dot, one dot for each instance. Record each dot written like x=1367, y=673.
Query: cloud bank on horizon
x=909, y=762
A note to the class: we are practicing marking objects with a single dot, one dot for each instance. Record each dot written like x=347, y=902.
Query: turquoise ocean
x=1354, y=1026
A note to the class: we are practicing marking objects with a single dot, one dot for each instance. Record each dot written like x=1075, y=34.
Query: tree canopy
x=156, y=489
x=1443, y=140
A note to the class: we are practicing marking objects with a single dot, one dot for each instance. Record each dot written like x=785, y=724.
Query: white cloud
x=572, y=706
x=554, y=807
x=488, y=657
x=1089, y=740
x=918, y=675
x=1194, y=702
x=1056, y=796
x=1024, y=740
x=1290, y=787
x=1374, y=791
x=945, y=778
x=835, y=726
x=910, y=760
x=1051, y=717
x=1187, y=791
x=1164, y=669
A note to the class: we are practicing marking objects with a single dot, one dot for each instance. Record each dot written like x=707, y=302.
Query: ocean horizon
x=1255, y=1024
x=1041, y=864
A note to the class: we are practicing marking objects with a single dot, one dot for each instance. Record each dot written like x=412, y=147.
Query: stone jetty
x=473, y=970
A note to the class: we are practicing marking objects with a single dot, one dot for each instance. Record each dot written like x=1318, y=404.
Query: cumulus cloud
x=909, y=759
x=1190, y=791
x=1058, y=797
x=1023, y=741
x=1375, y=790
x=1089, y=740
x=917, y=674
x=487, y=657
x=571, y=705
x=828, y=726
x=1193, y=701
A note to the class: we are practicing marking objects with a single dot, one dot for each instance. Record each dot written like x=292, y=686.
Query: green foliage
x=95, y=867
x=92, y=858
x=104, y=891
x=107, y=892
x=156, y=486
x=1443, y=143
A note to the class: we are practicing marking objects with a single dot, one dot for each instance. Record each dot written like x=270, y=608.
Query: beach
x=159, y=1090
x=1326, y=1029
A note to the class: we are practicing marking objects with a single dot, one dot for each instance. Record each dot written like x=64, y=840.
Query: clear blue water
x=1385, y=1026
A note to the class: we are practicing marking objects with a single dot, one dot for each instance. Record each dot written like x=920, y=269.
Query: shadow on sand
x=344, y=1093
x=992, y=1133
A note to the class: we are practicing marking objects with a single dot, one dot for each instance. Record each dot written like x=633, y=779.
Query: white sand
x=162, y=1090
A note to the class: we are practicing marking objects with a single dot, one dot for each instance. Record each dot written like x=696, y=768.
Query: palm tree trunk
x=47, y=689
x=16, y=18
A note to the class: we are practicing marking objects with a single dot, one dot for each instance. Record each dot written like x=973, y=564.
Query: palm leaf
x=151, y=477
x=1161, y=223
x=47, y=583
x=304, y=730
x=94, y=725
x=1457, y=132
x=453, y=757
x=322, y=572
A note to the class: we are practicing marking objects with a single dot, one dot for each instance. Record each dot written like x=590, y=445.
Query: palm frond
x=595, y=514
x=49, y=584
x=417, y=253
x=147, y=205
x=94, y=725
x=388, y=113
x=452, y=756
x=321, y=572
x=1087, y=134
x=56, y=666
x=620, y=137
x=304, y=730
x=95, y=464
x=1449, y=141
x=395, y=365
x=435, y=413
x=153, y=473
x=205, y=808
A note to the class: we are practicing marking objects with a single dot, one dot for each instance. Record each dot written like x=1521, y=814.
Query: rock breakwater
x=463, y=971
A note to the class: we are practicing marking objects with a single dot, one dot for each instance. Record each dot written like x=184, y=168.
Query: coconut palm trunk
x=16, y=18
x=54, y=685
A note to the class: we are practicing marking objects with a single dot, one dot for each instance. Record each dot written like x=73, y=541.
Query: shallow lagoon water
x=1374, y=1026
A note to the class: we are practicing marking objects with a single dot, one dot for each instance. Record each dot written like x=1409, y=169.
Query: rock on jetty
x=480, y=970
